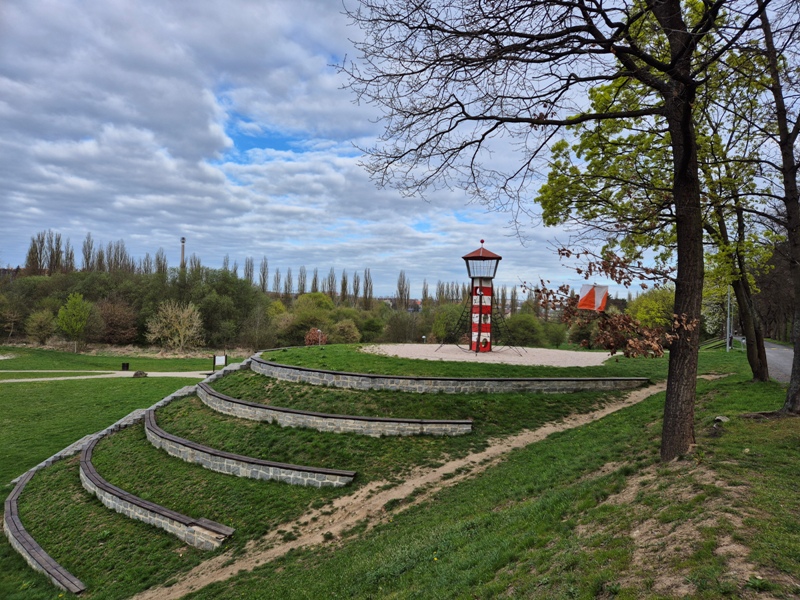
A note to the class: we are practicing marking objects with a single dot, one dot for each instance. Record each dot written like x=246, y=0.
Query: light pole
x=481, y=268
x=319, y=337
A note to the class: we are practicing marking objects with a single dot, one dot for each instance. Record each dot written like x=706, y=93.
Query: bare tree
x=276, y=282
x=315, y=281
x=366, y=302
x=146, y=266
x=263, y=274
x=330, y=284
x=455, y=80
x=176, y=326
x=161, y=265
x=403, y=291
x=288, y=285
x=356, y=287
x=344, y=287
x=195, y=267
x=301, y=281
x=249, y=270
x=87, y=252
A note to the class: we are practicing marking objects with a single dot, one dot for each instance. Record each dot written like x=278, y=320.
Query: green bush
x=526, y=330
x=40, y=325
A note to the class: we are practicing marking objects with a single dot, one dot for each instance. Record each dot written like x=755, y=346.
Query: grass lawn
x=39, y=419
x=350, y=358
x=562, y=518
x=35, y=359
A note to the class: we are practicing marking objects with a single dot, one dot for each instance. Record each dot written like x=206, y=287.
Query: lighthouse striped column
x=481, y=315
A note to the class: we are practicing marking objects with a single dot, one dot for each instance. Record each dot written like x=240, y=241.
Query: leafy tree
x=345, y=332
x=555, y=333
x=526, y=330
x=445, y=321
x=780, y=129
x=372, y=329
x=176, y=326
x=454, y=80
x=653, y=308
x=119, y=321
x=73, y=318
x=315, y=337
x=40, y=325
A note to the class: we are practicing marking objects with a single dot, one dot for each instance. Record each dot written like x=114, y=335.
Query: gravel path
x=507, y=355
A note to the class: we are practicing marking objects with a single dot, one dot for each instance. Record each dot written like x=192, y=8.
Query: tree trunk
x=678, y=431
x=752, y=331
x=792, y=402
x=791, y=200
x=751, y=325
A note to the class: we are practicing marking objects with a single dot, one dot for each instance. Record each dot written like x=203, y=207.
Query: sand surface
x=508, y=355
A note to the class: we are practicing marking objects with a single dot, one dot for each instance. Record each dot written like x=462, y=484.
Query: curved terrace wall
x=200, y=533
x=447, y=385
x=287, y=417
x=32, y=552
x=242, y=466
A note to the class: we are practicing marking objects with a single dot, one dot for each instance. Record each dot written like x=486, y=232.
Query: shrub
x=315, y=337
x=345, y=332
x=40, y=325
x=176, y=326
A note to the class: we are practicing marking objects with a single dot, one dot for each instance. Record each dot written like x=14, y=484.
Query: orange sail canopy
x=593, y=297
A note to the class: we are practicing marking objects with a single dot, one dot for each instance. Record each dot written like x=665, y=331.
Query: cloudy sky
x=223, y=122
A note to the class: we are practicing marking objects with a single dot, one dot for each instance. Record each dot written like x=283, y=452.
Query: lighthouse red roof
x=482, y=254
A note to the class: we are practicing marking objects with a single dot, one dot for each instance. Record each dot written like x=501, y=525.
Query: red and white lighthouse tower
x=482, y=267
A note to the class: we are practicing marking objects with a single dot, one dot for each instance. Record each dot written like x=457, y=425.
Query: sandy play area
x=507, y=355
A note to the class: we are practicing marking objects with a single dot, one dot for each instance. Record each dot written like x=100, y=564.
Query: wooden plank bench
x=198, y=532
x=30, y=550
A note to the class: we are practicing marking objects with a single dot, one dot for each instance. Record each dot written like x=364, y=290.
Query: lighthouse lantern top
x=482, y=263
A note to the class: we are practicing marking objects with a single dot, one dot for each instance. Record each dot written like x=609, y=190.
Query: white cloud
x=223, y=122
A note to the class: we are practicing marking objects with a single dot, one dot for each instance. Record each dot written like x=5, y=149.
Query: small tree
x=119, y=321
x=315, y=337
x=40, y=325
x=73, y=317
x=345, y=332
x=175, y=326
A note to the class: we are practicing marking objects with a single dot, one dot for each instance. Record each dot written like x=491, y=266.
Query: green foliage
x=526, y=330
x=555, y=333
x=444, y=324
x=401, y=327
x=73, y=318
x=654, y=308
x=345, y=332
x=40, y=325
x=314, y=301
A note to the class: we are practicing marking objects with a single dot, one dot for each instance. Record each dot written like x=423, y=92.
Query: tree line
x=114, y=298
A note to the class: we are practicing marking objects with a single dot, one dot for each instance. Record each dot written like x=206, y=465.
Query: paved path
x=779, y=360
x=101, y=375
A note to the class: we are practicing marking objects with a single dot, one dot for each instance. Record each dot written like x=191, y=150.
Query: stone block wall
x=287, y=417
x=200, y=533
x=447, y=385
x=242, y=466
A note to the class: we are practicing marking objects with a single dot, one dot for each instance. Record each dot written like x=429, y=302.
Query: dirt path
x=101, y=375
x=367, y=504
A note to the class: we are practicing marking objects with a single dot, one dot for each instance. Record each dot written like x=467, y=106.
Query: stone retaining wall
x=287, y=417
x=32, y=552
x=447, y=385
x=242, y=466
x=200, y=533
